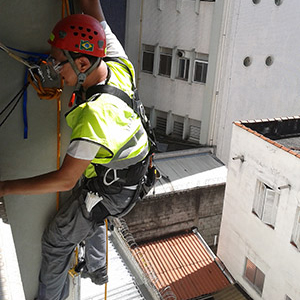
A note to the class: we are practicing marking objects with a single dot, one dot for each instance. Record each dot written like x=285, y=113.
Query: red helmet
x=79, y=33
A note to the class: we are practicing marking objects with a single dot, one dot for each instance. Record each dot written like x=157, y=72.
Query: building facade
x=260, y=65
x=175, y=58
x=260, y=230
x=202, y=65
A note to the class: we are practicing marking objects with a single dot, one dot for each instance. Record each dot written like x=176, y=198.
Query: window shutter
x=259, y=200
x=270, y=208
x=296, y=235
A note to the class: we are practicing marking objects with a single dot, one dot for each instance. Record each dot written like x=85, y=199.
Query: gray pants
x=71, y=225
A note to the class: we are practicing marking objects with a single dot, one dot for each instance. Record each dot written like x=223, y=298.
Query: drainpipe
x=220, y=61
x=140, y=43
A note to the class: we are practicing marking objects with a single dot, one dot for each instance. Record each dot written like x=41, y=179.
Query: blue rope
x=34, y=58
x=31, y=54
x=25, y=123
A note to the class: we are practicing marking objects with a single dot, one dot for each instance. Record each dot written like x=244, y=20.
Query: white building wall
x=243, y=234
x=184, y=28
x=258, y=91
x=172, y=23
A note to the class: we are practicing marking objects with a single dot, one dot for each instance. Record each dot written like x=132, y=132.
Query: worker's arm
x=63, y=179
x=92, y=8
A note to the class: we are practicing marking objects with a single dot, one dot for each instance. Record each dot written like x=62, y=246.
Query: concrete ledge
x=11, y=287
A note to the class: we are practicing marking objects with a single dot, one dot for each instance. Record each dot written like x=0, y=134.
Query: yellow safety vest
x=109, y=122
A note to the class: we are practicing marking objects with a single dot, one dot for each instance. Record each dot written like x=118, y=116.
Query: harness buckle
x=116, y=178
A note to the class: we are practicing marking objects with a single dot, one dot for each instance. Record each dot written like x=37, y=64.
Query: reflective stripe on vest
x=112, y=124
x=123, y=158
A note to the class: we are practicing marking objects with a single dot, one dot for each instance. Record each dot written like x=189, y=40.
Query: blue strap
x=32, y=59
x=32, y=54
x=25, y=107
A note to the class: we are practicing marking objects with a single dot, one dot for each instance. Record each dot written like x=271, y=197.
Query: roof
x=184, y=263
x=121, y=284
x=283, y=132
x=187, y=169
x=232, y=292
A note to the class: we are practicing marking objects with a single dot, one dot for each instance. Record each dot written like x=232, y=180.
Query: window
x=183, y=68
x=266, y=203
x=254, y=275
x=296, y=231
x=269, y=61
x=177, y=129
x=194, y=133
x=278, y=2
x=148, y=58
x=161, y=122
x=247, y=61
x=200, y=71
x=165, y=61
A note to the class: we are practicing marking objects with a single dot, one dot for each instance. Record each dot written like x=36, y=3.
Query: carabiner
x=116, y=178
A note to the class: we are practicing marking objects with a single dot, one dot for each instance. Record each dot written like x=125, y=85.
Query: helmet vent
x=62, y=34
x=80, y=27
x=90, y=37
x=95, y=33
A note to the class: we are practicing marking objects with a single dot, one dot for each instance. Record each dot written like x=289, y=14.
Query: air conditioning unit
x=181, y=53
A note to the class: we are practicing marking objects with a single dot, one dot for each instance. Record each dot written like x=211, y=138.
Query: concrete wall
x=243, y=234
x=257, y=91
x=26, y=25
x=171, y=23
x=159, y=216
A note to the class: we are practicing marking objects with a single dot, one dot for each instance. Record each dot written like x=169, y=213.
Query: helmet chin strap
x=81, y=77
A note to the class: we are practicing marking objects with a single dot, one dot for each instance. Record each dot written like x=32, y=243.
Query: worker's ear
x=82, y=63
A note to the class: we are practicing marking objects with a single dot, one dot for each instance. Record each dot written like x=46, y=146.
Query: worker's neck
x=97, y=76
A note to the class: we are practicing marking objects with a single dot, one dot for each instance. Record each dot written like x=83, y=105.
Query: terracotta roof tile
x=183, y=263
x=292, y=152
x=243, y=126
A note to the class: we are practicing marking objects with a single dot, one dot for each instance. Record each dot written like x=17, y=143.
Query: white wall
x=258, y=91
x=243, y=234
x=26, y=25
x=187, y=30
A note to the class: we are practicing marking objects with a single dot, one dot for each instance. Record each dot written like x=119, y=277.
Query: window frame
x=265, y=204
x=146, y=49
x=256, y=274
x=165, y=53
x=203, y=71
x=295, y=239
x=186, y=68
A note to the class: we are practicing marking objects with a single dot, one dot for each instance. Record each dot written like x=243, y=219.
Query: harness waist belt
x=111, y=181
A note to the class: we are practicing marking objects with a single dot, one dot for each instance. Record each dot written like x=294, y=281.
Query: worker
x=107, y=156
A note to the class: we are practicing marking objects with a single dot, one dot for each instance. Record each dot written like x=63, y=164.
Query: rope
x=49, y=94
x=106, y=225
x=58, y=143
x=17, y=98
x=65, y=6
x=44, y=92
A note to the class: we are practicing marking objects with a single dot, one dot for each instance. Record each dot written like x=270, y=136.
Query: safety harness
x=142, y=175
